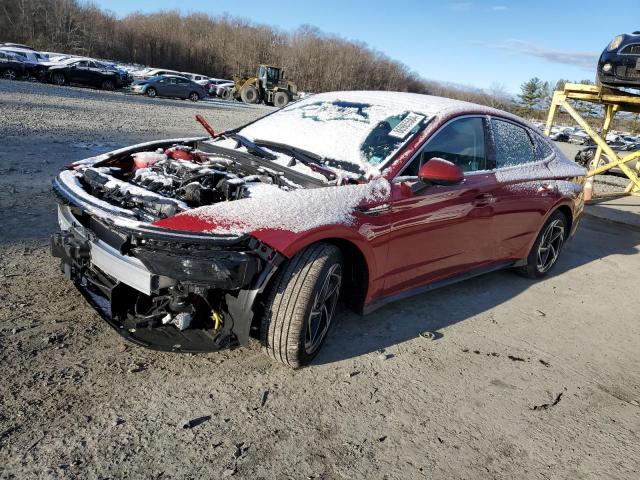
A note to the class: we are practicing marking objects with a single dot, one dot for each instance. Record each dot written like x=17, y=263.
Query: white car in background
x=199, y=79
x=153, y=72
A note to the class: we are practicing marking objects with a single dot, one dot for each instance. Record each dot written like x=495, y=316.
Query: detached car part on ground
x=369, y=197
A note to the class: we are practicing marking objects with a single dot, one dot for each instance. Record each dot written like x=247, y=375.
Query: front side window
x=461, y=142
x=512, y=144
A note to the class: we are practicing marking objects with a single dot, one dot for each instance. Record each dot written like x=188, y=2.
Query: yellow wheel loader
x=267, y=86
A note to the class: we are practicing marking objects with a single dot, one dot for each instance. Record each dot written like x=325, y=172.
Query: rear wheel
x=280, y=99
x=301, y=305
x=226, y=94
x=58, y=78
x=249, y=94
x=151, y=92
x=10, y=74
x=108, y=85
x=547, y=247
x=194, y=96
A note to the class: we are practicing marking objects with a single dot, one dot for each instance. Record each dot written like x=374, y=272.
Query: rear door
x=525, y=191
x=439, y=231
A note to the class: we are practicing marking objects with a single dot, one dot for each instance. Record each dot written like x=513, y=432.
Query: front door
x=439, y=231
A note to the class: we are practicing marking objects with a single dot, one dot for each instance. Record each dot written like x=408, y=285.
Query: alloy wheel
x=10, y=74
x=550, y=245
x=324, y=307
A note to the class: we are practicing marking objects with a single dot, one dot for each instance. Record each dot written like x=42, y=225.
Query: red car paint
x=413, y=239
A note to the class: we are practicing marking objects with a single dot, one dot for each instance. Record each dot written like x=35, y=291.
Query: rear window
x=512, y=144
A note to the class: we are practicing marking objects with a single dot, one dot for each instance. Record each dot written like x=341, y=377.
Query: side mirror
x=440, y=172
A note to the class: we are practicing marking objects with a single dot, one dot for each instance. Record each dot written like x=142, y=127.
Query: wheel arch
x=568, y=214
x=356, y=282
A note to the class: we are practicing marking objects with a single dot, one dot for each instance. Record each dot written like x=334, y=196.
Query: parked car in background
x=147, y=73
x=369, y=197
x=619, y=63
x=217, y=86
x=30, y=58
x=580, y=137
x=10, y=67
x=169, y=86
x=199, y=79
x=125, y=77
x=83, y=71
x=16, y=45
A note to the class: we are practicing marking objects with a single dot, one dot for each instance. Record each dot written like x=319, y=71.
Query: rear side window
x=512, y=144
x=543, y=149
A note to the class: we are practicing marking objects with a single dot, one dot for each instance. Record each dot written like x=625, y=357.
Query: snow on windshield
x=362, y=128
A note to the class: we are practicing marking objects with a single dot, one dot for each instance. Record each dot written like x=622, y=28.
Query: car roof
x=429, y=105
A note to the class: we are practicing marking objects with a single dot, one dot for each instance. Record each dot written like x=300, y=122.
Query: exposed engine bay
x=158, y=184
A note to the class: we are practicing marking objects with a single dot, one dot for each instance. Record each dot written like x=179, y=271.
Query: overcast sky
x=473, y=43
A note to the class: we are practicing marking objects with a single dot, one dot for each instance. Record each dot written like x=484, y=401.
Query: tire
x=108, y=85
x=10, y=74
x=226, y=94
x=151, y=92
x=280, y=99
x=194, y=96
x=550, y=242
x=58, y=78
x=249, y=94
x=301, y=305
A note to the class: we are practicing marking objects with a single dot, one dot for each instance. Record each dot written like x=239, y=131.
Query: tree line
x=217, y=46
x=224, y=46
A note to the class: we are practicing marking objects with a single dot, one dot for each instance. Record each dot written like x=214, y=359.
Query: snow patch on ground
x=294, y=211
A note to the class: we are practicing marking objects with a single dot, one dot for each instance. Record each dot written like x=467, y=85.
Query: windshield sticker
x=406, y=125
x=337, y=110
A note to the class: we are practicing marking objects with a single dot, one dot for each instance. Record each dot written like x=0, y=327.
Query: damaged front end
x=162, y=289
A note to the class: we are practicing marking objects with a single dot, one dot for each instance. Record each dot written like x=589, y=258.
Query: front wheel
x=280, y=99
x=58, y=78
x=151, y=92
x=547, y=247
x=194, y=96
x=10, y=74
x=301, y=305
x=108, y=85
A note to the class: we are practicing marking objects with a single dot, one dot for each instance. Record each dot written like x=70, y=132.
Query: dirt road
x=524, y=380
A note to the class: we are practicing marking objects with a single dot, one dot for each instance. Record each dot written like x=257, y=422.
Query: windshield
x=364, y=134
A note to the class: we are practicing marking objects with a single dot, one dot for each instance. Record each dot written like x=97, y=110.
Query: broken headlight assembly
x=224, y=269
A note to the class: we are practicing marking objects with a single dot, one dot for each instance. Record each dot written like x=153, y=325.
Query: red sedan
x=366, y=197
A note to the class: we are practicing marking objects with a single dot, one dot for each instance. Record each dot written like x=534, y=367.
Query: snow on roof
x=336, y=124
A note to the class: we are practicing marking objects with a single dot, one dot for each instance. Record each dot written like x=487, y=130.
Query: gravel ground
x=525, y=379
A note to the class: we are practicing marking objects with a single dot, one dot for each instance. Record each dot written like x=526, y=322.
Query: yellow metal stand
x=614, y=101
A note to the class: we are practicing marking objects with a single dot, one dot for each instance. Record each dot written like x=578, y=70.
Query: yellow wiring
x=217, y=320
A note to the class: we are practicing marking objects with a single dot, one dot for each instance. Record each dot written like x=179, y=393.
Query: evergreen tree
x=531, y=93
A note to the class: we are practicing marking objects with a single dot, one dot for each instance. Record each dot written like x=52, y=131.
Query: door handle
x=483, y=200
x=376, y=210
